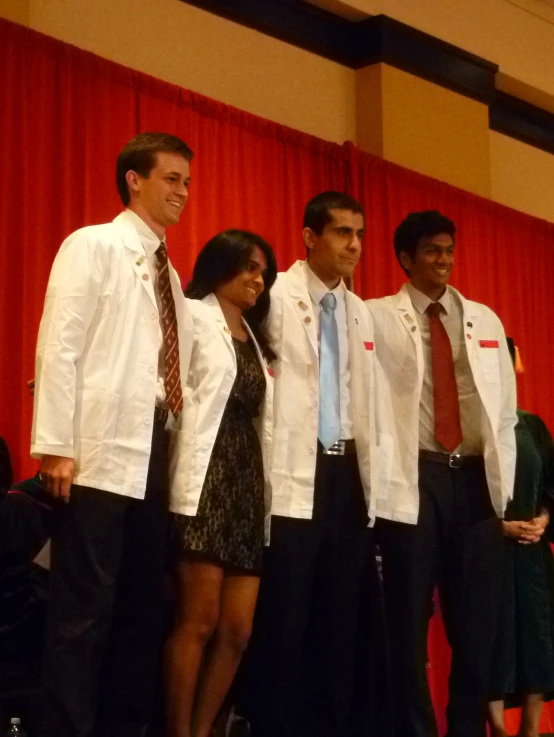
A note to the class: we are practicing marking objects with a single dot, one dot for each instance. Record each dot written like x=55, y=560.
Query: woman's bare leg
x=238, y=603
x=531, y=715
x=198, y=591
x=496, y=719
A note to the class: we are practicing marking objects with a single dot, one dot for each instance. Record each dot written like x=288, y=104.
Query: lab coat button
x=470, y=324
x=153, y=316
x=147, y=421
x=151, y=369
x=311, y=450
x=413, y=328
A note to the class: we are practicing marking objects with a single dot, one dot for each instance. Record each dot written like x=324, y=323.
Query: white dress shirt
x=468, y=397
x=151, y=243
x=317, y=291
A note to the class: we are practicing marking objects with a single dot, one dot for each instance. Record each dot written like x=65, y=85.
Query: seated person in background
x=523, y=660
x=25, y=517
x=218, y=492
x=6, y=477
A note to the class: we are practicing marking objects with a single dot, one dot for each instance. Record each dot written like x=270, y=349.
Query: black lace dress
x=228, y=528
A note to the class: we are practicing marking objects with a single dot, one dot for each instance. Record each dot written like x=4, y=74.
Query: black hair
x=511, y=349
x=317, y=213
x=418, y=225
x=139, y=155
x=222, y=258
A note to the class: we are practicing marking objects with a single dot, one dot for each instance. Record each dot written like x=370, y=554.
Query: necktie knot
x=329, y=301
x=161, y=253
x=435, y=309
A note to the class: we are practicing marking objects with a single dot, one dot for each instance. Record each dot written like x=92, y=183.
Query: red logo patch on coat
x=488, y=343
x=368, y=346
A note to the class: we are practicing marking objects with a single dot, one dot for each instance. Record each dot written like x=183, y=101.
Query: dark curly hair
x=418, y=225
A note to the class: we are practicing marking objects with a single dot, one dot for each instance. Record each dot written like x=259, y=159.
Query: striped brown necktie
x=173, y=389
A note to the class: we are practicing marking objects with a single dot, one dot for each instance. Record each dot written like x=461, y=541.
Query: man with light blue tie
x=305, y=673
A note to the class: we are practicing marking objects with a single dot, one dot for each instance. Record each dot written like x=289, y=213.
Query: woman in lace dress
x=218, y=494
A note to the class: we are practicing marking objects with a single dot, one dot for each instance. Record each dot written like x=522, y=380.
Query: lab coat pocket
x=490, y=364
x=95, y=423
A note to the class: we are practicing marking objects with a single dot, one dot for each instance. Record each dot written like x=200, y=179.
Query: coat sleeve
x=72, y=297
x=507, y=419
x=545, y=446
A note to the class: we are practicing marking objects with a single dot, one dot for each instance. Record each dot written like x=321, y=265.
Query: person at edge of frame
x=112, y=355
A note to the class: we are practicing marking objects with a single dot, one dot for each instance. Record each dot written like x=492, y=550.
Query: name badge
x=368, y=346
x=488, y=343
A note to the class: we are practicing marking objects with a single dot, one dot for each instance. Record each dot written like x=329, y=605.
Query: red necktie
x=448, y=430
x=173, y=389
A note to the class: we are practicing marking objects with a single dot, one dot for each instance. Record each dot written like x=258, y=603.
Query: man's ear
x=308, y=236
x=133, y=181
x=405, y=261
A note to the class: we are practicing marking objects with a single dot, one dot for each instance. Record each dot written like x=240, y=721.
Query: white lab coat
x=401, y=354
x=292, y=328
x=212, y=372
x=97, y=358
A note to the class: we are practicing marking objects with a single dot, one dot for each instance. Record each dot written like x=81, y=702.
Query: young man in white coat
x=301, y=677
x=454, y=397
x=112, y=347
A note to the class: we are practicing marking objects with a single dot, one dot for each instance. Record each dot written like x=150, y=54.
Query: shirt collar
x=148, y=238
x=317, y=289
x=421, y=302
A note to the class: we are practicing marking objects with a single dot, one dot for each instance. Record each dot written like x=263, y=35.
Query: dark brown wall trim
x=357, y=44
x=523, y=121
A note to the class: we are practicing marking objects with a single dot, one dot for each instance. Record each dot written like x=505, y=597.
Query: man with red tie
x=454, y=400
x=113, y=348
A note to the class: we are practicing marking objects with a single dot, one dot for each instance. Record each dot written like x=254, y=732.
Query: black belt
x=340, y=448
x=452, y=460
x=161, y=415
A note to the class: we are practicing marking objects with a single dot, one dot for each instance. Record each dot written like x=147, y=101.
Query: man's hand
x=56, y=473
x=525, y=533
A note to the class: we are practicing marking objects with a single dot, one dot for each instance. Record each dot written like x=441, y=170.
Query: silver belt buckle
x=337, y=449
x=455, y=460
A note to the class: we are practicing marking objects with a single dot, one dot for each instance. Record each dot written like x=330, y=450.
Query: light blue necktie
x=329, y=395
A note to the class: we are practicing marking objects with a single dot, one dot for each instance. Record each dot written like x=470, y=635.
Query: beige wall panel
x=522, y=176
x=202, y=52
x=17, y=11
x=435, y=131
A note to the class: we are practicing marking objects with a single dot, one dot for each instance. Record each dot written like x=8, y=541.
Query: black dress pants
x=457, y=545
x=105, y=617
x=306, y=670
